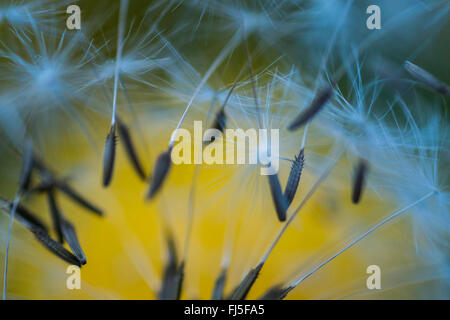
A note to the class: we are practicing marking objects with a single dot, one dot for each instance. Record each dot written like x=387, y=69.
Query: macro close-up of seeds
x=224, y=150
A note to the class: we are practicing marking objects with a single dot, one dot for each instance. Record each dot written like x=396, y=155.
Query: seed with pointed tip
x=162, y=168
x=294, y=177
x=50, y=182
x=109, y=155
x=130, y=150
x=70, y=192
x=359, y=180
x=246, y=284
x=277, y=196
x=426, y=78
x=220, y=122
x=55, y=247
x=219, y=285
x=173, y=275
x=319, y=101
x=56, y=215
x=276, y=293
x=72, y=240
x=27, y=165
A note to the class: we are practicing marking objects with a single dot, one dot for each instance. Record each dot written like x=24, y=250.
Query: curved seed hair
x=241, y=291
x=72, y=240
x=55, y=247
x=278, y=197
x=56, y=215
x=276, y=293
x=319, y=101
x=294, y=177
x=109, y=155
x=27, y=218
x=27, y=166
x=70, y=192
x=124, y=135
x=162, y=168
x=359, y=180
x=427, y=78
x=219, y=285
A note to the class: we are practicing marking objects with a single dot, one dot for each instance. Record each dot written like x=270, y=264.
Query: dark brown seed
x=130, y=150
x=27, y=165
x=162, y=168
x=42, y=186
x=241, y=291
x=109, y=156
x=219, y=124
x=72, y=240
x=278, y=197
x=220, y=121
x=219, y=285
x=56, y=215
x=61, y=185
x=276, y=293
x=359, y=180
x=319, y=101
x=294, y=177
x=173, y=275
x=55, y=247
x=27, y=218
x=70, y=192
x=426, y=78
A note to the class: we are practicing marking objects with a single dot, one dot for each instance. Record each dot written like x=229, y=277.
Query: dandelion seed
x=109, y=156
x=27, y=166
x=246, y=284
x=358, y=182
x=276, y=293
x=219, y=285
x=56, y=215
x=220, y=120
x=124, y=134
x=294, y=177
x=173, y=274
x=162, y=168
x=110, y=145
x=55, y=247
x=319, y=101
x=70, y=192
x=277, y=196
x=27, y=218
x=70, y=235
x=50, y=182
x=426, y=78
x=294, y=214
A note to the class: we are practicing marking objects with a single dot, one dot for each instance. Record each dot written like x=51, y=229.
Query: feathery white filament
x=122, y=18
x=365, y=234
